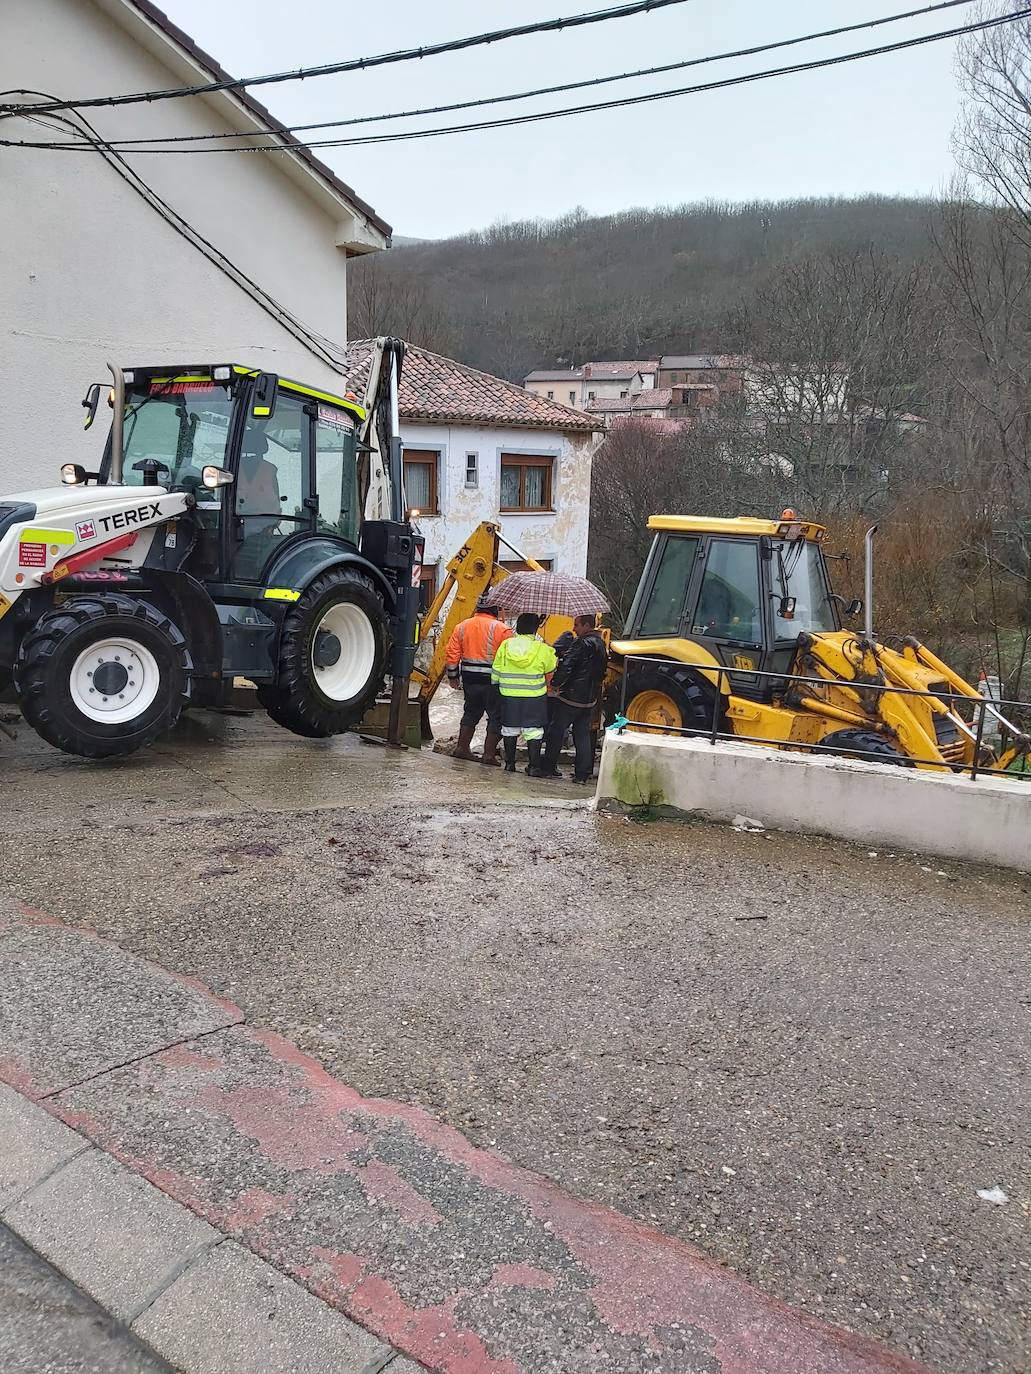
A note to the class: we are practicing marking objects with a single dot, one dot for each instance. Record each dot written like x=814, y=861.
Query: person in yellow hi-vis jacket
x=521, y=669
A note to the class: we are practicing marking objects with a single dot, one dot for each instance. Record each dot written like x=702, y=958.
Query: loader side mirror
x=855, y=606
x=89, y=403
x=263, y=403
x=786, y=608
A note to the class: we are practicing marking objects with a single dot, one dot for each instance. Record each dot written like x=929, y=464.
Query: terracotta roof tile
x=596, y=371
x=614, y=371
x=654, y=398
x=697, y=362
x=434, y=388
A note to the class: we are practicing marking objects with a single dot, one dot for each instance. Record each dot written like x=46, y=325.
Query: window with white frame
x=472, y=469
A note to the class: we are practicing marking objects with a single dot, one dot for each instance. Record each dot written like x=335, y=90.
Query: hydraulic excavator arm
x=475, y=567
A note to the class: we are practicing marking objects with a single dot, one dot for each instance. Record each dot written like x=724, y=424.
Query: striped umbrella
x=547, y=594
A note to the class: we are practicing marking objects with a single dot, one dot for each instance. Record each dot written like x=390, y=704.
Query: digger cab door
x=728, y=612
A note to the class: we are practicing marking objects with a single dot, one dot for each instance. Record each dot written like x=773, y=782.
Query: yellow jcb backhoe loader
x=722, y=602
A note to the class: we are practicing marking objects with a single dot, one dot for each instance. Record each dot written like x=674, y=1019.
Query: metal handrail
x=980, y=706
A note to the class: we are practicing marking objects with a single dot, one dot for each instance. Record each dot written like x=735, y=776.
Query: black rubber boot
x=533, y=768
x=510, y=752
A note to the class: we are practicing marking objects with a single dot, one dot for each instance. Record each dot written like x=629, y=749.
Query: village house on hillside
x=143, y=259
x=580, y=387
x=479, y=448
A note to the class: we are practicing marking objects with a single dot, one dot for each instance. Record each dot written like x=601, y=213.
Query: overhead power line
x=567, y=111
x=625, y=11
x=126, y=143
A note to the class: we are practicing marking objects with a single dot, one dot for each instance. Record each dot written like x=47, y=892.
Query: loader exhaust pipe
x=868, y=586
x=117, y=454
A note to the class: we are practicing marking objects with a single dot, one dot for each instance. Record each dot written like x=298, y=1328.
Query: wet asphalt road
x=814, y=1096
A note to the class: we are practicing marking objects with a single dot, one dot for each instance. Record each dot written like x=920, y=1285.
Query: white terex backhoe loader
x=241, y=524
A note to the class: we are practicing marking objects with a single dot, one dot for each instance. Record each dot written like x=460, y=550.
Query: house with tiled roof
x=189, y=257
x=479, y=448
x=605, y=381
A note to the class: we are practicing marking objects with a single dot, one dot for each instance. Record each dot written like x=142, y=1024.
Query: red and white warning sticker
x=32, y=555
x=337, y=418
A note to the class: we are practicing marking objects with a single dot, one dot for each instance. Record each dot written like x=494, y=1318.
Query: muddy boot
x=510, y=752
x=533, y=749
x=490, y=748
x=462, y=750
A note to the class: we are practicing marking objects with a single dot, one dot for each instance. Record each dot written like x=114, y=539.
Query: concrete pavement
x=804, y=1058
x=203, y=1128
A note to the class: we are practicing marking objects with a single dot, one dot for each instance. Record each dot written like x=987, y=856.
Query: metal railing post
x=982, y=709
x=716, y=708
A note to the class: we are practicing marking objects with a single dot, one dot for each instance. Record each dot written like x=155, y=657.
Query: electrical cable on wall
x=333, y=355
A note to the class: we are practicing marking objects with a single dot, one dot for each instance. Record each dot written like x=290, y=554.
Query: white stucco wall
x=604, y=388
x=562, y=390
x=561, y=536
x=92, y=272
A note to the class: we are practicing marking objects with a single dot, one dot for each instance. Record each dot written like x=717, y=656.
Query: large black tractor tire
x=865, y=744
x=332, y=656
x=102, y=676
x=667, y=699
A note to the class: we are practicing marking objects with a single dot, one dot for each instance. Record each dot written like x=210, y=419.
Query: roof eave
x=155, y=32
x=461, y=420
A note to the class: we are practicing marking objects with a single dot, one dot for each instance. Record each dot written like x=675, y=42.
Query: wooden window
x=526, y=482
x=514, y=565
x=421, y=486
x=427, y=586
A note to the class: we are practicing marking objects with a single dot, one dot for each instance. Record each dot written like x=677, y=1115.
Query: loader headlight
x=72, y=475
x=214, y=477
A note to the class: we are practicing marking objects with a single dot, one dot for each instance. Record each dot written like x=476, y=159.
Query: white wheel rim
x=114, y=681
x=344, y=679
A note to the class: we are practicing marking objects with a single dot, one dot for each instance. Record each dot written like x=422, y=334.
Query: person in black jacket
x=575, y=690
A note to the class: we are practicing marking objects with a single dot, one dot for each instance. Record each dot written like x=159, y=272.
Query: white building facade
x=479, y=448
x=143, y=259
x=579, y=387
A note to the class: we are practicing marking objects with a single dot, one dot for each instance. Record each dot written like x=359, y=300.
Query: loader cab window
x=336, y=474
x=798, y=570
x=184, y=425
x=270, y=485
x=729, y=606
x=663, y=610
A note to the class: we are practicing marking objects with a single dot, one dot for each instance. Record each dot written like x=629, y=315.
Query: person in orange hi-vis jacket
x=470, y=654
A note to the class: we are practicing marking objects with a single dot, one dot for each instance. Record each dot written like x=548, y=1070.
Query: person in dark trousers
x=522, y=668
x=575, y=691
x=470, y=654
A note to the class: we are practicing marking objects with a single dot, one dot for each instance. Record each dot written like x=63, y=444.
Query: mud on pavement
x=813, y=1095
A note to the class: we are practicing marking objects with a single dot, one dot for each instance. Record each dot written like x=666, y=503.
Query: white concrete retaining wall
x=987, y=819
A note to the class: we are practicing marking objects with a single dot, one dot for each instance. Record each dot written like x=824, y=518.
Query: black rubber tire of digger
x=48, y=654
x=693, y=695
x=865, y=744
x=295, y=700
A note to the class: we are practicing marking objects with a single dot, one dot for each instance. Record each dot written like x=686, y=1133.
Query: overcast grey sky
x=882, y=124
